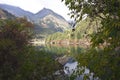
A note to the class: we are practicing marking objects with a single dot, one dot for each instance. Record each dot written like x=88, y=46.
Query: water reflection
x=70, y=67
x=80, y=64
x=66, y=55
x=70, y=50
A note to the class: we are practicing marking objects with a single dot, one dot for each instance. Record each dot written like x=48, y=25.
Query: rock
x=63, y=60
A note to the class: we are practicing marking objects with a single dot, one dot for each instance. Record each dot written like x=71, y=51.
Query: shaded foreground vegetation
x=103, y=58
x=18, y=59
x=103, y=64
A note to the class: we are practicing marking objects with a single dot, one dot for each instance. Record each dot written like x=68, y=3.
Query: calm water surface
x=79, y=64
x=66, y=55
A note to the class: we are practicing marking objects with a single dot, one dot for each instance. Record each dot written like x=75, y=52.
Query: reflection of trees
x=105, y=65
x=71, y=50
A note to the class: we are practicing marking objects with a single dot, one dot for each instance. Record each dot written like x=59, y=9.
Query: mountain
x=46, y=21
x=18, y=12
x=50, y=21
x=5, y=15
x=44, y=12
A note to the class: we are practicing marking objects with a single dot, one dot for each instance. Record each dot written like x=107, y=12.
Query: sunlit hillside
x=45, y=21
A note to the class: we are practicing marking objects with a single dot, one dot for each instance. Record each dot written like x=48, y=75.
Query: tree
x=14, y=38
x=104, y=56
x=19, y=60
x=108, y=11
x=18, y=30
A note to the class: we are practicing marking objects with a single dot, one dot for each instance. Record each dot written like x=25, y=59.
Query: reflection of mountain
x=46, y=20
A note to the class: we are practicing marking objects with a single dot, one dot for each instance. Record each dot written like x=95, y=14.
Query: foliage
x=109, y=13
x=18, y=60
x=16, y=30
x=28, y=65
x=93, y=8
x=104, y=65
x=108, y=34
x=103, y=58
x=37, y=65
x=14, y=37
x=83, y=29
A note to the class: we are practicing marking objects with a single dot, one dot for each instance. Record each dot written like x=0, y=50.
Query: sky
x=36, y=5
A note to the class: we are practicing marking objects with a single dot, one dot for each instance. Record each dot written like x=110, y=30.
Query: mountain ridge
x=48, y=11
x=19, y=12
x=45, y=21
x=6, y=15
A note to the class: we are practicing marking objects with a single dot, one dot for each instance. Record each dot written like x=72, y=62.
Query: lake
x=79, y=64
x=66, y=55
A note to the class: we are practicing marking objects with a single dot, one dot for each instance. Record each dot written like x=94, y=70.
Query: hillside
x=44, y=12
x=50, y=24
x=5, y=15
x=46, y=21
x=16, y=11
x=80, y=36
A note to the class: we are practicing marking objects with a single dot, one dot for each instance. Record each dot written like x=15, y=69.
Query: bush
x=18, y=59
